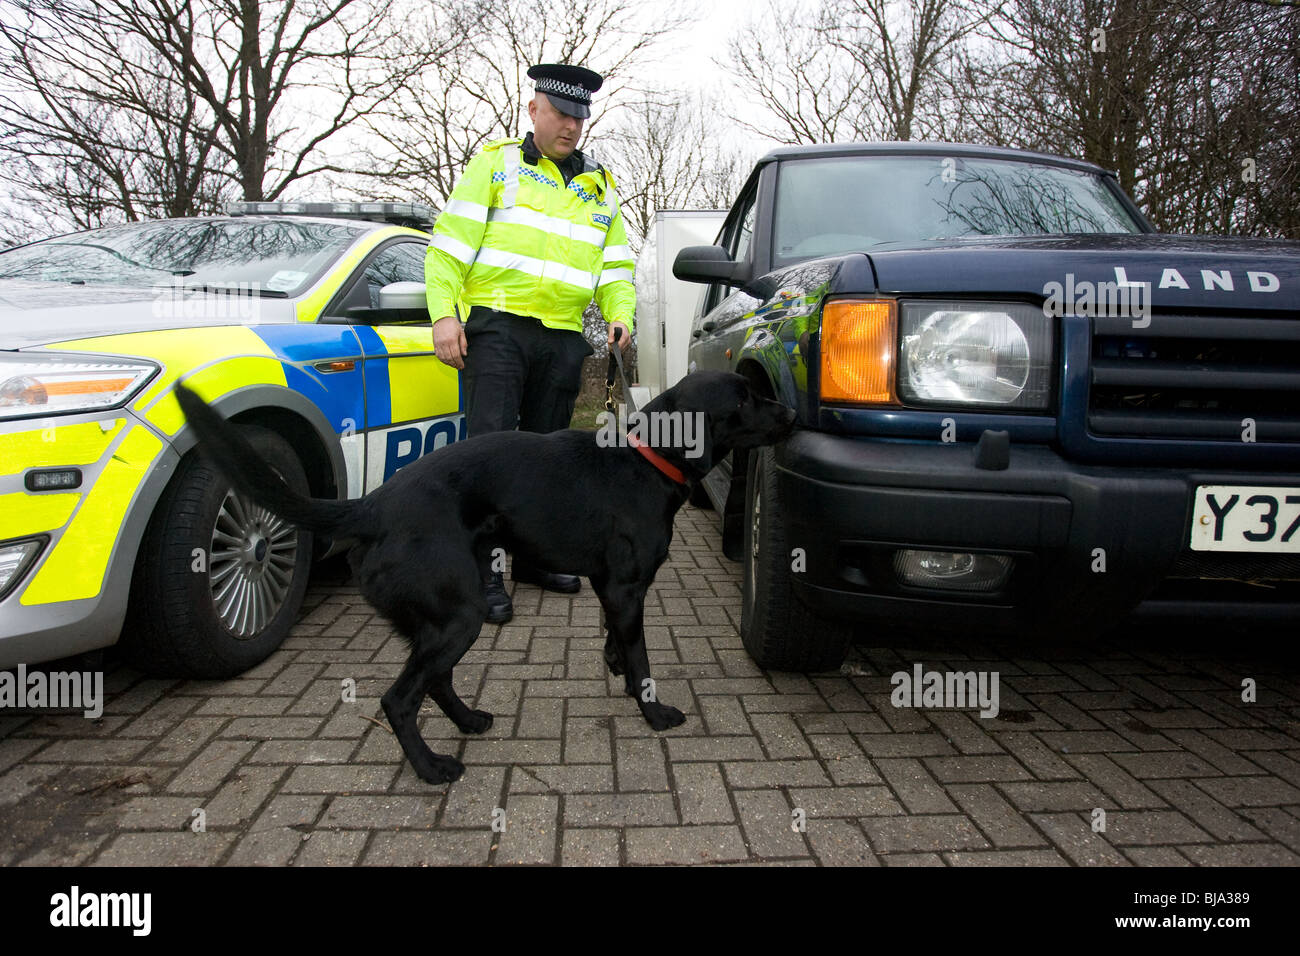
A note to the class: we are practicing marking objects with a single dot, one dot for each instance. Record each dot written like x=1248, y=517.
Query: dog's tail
x=232, y=455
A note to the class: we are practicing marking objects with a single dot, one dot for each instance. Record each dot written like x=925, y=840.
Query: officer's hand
x=449, y=342
x=624, y=340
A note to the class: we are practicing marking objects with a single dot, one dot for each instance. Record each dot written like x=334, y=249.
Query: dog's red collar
x=656, y=459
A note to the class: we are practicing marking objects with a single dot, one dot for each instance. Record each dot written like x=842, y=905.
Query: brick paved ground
x=1150, y=729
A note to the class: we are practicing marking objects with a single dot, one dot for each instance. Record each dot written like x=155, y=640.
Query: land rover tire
x=779, y=631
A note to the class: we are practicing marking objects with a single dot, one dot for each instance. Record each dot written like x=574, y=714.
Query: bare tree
x=809, y=91
x=121, y=109
x=846, y=70
x=905, y=51
x=1194, y=103
x=670, y=155
x=477, y=92
x=88, y=140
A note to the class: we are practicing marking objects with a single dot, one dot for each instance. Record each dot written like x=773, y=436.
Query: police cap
x=569, y=88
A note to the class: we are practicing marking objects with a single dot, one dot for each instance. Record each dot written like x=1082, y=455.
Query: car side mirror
x=706, y=264
x=400, y=303
x=403, y=296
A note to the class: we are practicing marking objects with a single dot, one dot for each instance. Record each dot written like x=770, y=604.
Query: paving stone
x=1032, y=795
x=471, y=800
x=541, y=717
x=702, y=793
x=241, y=796
x=640, y=765
x=714, y=749
x=775, y=773
x=165, y=849
x=340, y=778
x=840, y=843
x=914, y=833
x=1155, y=856
x=917, y=790
x=905, y=745
x=1071, y=833
x=684, y=844
x=266, y=728
x=1205, y=811
x=380, y=813
x=1114, y=781
x=1277, y=763
x=1241, y=854
x=1278, y=824
x=530, y=830
x=975, y=769
x=1000, y=821
x=327, y=848
x=275, y=846
x=845, y=801
x=447, y=848
x=298, y=752
x=213, y=765
x=724, y=715
x=1250, y=791
x=767, y=820
x=912, y=859
x=283, y=812
x=1129, y=827
x=590, y=848
x=1006, y=858
x=620, y=810
x=90, y=750
x=587, y=740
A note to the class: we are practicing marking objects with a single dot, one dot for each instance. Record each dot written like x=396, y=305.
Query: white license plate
x=1246, y=518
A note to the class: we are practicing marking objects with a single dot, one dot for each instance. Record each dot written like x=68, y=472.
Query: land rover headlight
x=975, y=353
x=60, y=384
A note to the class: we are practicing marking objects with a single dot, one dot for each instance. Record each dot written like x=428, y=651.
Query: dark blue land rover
x=1021, y=410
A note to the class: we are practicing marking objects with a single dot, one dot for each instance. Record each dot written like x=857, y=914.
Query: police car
x=303, y=323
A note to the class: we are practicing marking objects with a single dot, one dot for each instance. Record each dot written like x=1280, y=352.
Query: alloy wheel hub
x=251, y=566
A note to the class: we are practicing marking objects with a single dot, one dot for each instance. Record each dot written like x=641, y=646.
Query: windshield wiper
x=234, y=290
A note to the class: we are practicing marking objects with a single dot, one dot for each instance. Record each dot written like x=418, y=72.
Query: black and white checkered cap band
x=568, y=90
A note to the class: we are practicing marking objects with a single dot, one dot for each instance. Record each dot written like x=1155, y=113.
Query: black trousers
x=519, y=373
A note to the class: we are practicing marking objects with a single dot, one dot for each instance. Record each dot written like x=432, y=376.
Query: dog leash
x=616, y=364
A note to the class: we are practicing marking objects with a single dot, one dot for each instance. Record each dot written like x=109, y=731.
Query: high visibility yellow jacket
x=515, y=238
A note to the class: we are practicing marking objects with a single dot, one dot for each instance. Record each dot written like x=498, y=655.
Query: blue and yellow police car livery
x=305, y=324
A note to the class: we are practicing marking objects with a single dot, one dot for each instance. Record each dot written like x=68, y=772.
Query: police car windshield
x=831, y=206
x=275, y=257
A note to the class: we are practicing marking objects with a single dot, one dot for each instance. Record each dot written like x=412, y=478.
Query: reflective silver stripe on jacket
x=511, y=187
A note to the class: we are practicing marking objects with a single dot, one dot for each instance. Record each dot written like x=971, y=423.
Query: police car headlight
x=975, y=353
x=55, y=385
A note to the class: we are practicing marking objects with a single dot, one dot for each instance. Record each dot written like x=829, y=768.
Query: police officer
x=529, y=234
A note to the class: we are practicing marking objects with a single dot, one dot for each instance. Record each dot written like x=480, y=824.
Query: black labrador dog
x=564, y=502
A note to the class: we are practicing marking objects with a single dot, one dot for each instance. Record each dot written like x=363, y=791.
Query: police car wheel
x=779, y=630
x=219, y=581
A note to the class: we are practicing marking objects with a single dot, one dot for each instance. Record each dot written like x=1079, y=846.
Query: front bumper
x=1090, y=544
x=73, y=598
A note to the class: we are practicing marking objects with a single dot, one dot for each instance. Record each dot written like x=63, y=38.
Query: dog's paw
x=478, y=722
x=437, y=769
x=662, y=716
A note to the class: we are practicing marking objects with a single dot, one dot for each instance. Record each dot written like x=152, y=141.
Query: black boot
x=560, y=583
x=500, y=609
